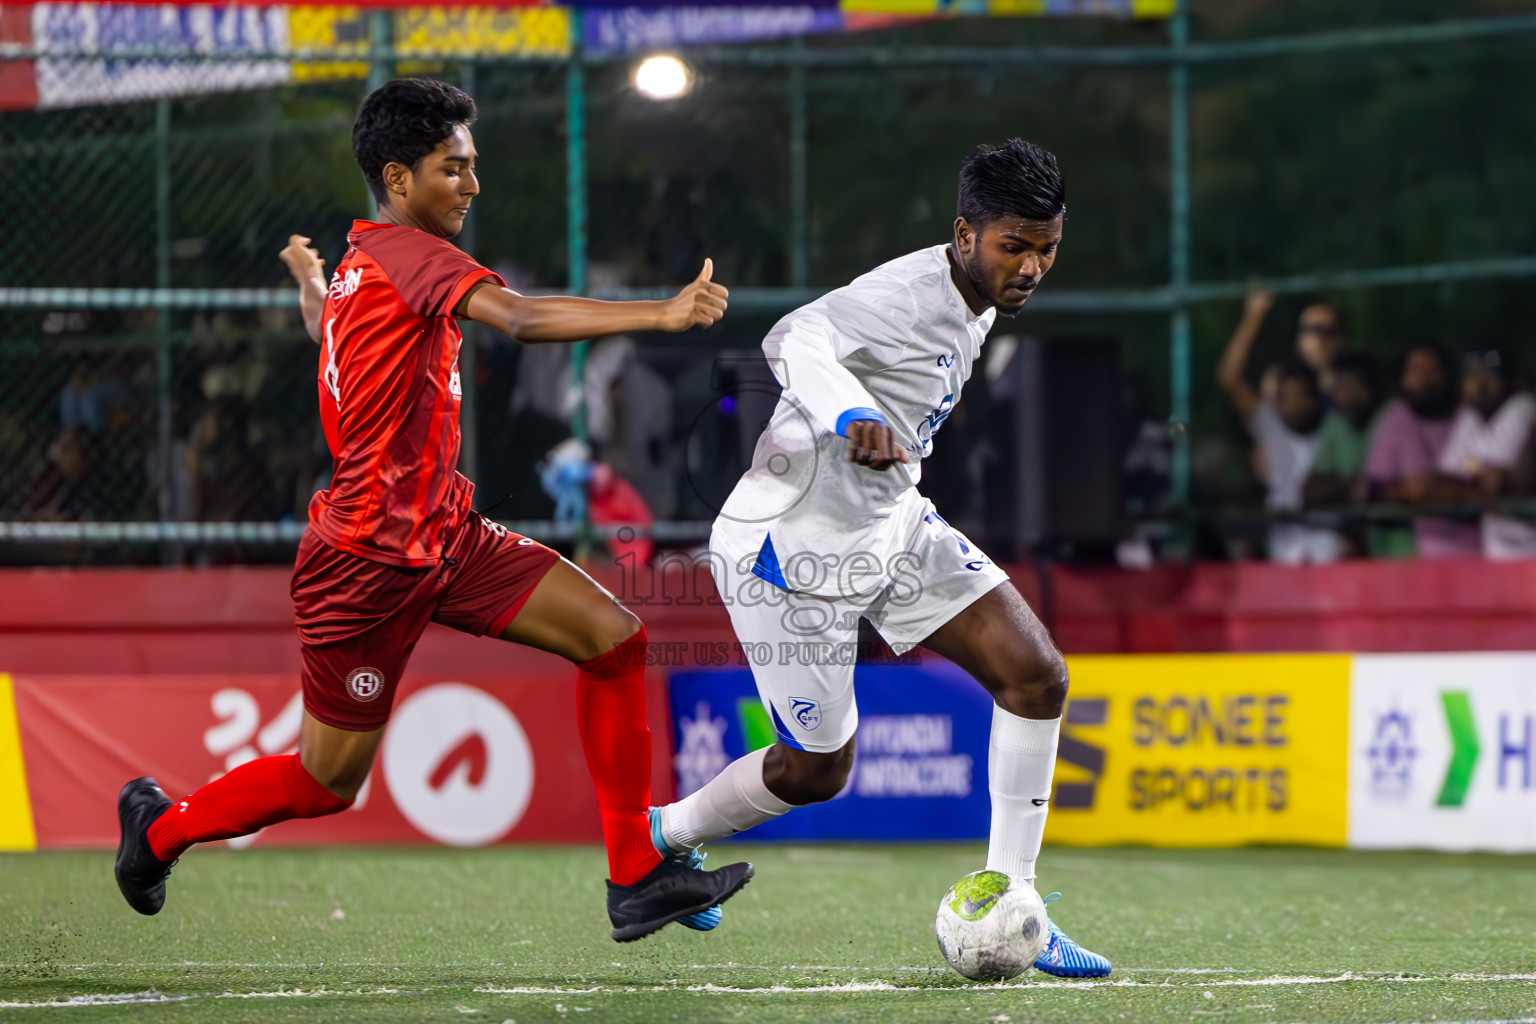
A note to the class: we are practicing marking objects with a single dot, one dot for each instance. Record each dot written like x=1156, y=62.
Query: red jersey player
x=394, y=544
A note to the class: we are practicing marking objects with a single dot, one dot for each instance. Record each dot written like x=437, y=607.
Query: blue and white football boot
x=705, y=920
x=1064, y=958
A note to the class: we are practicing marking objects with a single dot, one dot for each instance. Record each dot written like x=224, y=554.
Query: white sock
x=1020, y=762
x=731, y=802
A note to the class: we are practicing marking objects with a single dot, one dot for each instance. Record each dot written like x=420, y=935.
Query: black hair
x=1016, y=179
x=404, y=120
x=1295, y=369
x=1489, y=357
x=1441, y=356
x=1362, y=366
x=1339, y=316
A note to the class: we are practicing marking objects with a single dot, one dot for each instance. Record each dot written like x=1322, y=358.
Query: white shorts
x=802, y=647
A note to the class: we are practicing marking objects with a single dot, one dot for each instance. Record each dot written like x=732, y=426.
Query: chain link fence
x=155, y=371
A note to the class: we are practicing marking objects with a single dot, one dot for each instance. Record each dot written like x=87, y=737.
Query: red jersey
x=389, y=395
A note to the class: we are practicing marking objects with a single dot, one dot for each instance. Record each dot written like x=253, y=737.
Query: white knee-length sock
x=1020, y=762
x=731, y=802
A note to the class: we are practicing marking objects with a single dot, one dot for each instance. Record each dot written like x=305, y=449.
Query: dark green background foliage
x=1397, y=156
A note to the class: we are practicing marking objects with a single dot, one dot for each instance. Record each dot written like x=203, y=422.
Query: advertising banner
x=466, y=762
x=1442, y=752
x=626, y=29
x=921, y=767
x=1203, y=750
x=108, y=29
x=16, y=832
x=200, y=46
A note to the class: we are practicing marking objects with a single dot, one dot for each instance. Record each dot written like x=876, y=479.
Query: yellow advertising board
x=429, y=32
x=1204, y=750
x=16, y=831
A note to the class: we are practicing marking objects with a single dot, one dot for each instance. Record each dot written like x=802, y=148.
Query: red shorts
x=359, y=620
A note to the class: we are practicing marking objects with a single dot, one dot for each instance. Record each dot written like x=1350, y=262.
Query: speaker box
x=1068, y=441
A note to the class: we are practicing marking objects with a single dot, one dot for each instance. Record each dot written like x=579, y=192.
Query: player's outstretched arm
x=553, y=318
x=308, y=271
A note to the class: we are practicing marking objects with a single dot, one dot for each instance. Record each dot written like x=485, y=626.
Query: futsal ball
x=990, y=929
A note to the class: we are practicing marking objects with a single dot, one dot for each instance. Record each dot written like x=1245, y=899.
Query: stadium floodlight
x=662, y=77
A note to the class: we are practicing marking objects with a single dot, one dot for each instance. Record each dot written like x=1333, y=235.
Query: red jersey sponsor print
x=389, y=395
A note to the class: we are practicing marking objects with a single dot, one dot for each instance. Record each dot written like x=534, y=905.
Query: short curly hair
x=404, y=120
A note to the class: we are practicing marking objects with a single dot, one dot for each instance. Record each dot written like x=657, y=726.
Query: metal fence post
x=380, y=50
x=163, y=316
x=576, y=205
x=576, y=237
x=469, y=449
x=1179, y=347
x=799, y=202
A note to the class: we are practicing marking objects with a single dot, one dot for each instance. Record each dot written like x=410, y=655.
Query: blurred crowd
x=1431, y=457
x=1431, y=467
x=244, y=443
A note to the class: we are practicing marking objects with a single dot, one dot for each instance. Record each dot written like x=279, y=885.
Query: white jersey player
x=827, y=527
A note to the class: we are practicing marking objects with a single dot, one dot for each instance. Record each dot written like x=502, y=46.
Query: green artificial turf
x=822, y=934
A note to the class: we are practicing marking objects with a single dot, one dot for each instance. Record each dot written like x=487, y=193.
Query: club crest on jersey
x=344, y=285
x=365, y=683
x=806, y=711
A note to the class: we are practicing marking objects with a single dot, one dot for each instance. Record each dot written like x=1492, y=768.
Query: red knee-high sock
x=256, y=794
x=610, y=713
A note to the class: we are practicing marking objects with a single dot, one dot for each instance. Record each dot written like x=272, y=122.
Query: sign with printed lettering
x=920, y=770
x=1203, y=750
x=1442, y=752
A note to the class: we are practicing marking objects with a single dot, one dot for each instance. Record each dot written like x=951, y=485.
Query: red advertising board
x=467, y=761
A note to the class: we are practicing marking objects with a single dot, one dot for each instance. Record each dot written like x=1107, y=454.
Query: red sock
x=610, y=713
x=256, y=794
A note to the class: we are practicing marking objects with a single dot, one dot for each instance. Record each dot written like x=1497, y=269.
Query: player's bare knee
x=343, y=779
x=1048, y=682
x=346, y=789
x=802, y=777
x=1033, y=685
x=606, y=630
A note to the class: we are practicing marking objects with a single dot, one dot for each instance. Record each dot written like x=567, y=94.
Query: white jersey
x=895, y=345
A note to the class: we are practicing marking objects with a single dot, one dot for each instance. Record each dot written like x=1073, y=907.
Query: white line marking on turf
x=151, y=996
x=112, y=999
x=727, y=966
x=1273, y=981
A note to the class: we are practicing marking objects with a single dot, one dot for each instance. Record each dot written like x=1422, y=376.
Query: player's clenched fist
x=700, y=304
x=302, y=261
x=873, y=444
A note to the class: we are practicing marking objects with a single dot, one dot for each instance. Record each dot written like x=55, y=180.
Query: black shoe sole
x=640, y=929
x=132, y=894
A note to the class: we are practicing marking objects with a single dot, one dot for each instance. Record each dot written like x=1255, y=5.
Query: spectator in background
x=66, y=487
x=227, y=474
x=1405, y=451
x=81, y=400
x=1413, y=429
x=1287, y=433
x=1347, y=430
x=1486, y=457
x=1320, y=336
